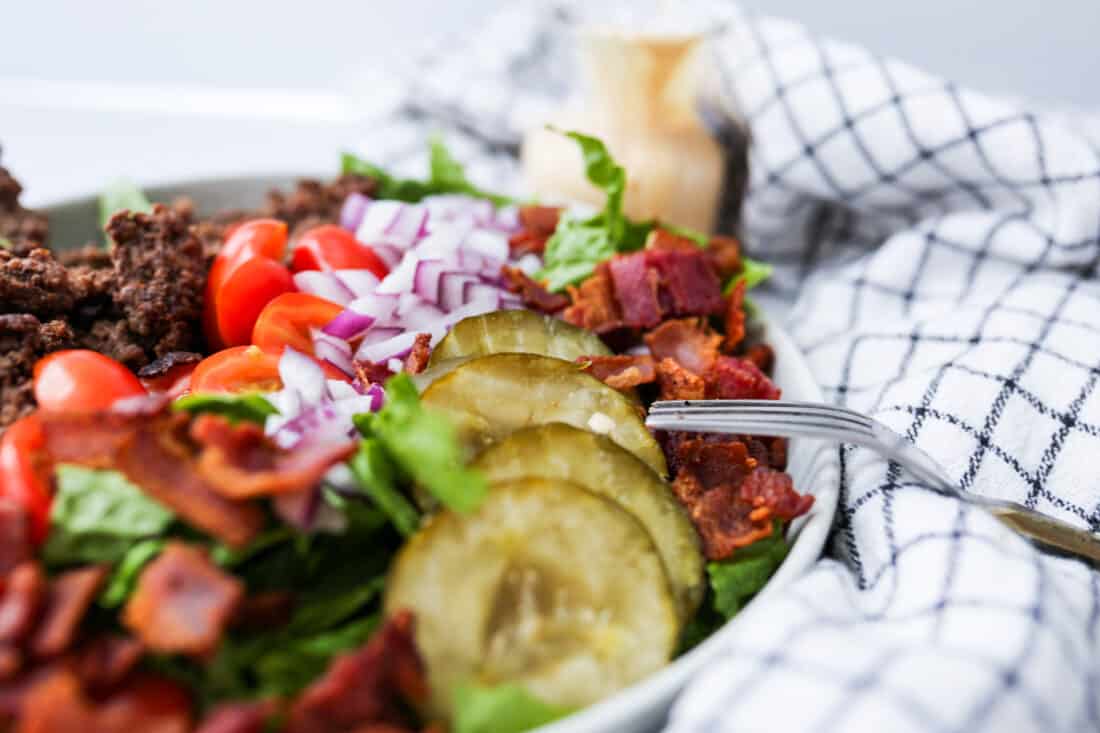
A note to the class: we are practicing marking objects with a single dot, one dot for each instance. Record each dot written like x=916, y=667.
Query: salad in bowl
x=371, y=457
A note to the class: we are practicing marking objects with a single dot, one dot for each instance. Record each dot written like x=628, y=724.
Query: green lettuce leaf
x=378, y=478
x=5, y=243
x=118, y=196
x=507, y=708
x=423, y=446
x=125, y=574
x=446, y=175
x=753, y=272
x=97, y=516
x=738, y=579
x=249, y=407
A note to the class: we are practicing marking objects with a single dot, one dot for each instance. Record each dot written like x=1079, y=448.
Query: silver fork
x=814, y=420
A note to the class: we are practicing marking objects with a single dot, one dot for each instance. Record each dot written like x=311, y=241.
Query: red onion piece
x=303, y=375
x=323, y=285
x=358, y=282
x=353, y=210
x=397, y=347
x=349, y=325
x=334, y=350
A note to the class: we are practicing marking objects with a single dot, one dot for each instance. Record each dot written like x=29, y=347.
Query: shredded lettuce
x=378, y=477
x=507, y=708
x=96, y=516
x=446, y=175
x=251, y=407
x=423, y=446
x=738, y=579
x=121, y=195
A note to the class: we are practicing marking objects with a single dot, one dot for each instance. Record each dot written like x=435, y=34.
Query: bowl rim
x=654, y=694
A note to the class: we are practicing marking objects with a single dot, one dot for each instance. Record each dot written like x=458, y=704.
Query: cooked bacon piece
x=183, y=602
x=664, y=239
x=56, y=703
x=594, y=305
x=724, y=254
x=106, y=660
x=725, y=523
x=677, y=383
x=539, y=223
x=730, y=378
x=238, y=717
x=67, y=600
x=622, y=371
x=147, y=703
x=534, y=295
x=735, y=317
x=688, y=341
x=369, y=372
x=15, y=539
x=762, y=356
x=372, y=685
x=636, y=286
x=689, y=286
x=240, y=462
x=417, y=360
x=11, y=661
x=777, y=453
x=714, y=463
x=24, y=590
x=774, y=490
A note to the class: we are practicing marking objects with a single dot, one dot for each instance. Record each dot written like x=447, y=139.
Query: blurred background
x=137, y=88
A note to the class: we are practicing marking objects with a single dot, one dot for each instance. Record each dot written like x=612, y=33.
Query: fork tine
x=785, y=428
x=753, y=409
x=736, y=419
x=761, y=406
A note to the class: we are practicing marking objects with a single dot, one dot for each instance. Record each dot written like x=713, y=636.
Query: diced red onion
x=303, y=375
x=323, y=285
x=377, y=395
x=491, y=245
x=389, y=254
x=353, y=210
x=400, y=279
x=334, y=350
x=377, y=334
x=421, y=316
x=349, y=325
x=358, y=282
x=452, y=289
x=530, y=264
x=392, y=222
x=379, y=306
x=397, y=347
x=395, y=365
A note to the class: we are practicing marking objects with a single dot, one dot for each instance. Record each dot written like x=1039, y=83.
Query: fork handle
x=1043, y=530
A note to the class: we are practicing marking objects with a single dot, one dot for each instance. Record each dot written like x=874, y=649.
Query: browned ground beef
x=139, y=301
x=22, y=228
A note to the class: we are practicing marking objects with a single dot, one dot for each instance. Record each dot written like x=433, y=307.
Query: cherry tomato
x=175, y=383
x=286, y=320
x=245, y=369
x=24, y=473
x=335, y=248
x=266, y=237
x=250, y=286
x=262, y=240
x=79, y=380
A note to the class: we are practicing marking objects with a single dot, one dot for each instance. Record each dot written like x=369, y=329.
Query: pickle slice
x=594, y=462
x=491, y=397
x=546, y=585
x=517, y=331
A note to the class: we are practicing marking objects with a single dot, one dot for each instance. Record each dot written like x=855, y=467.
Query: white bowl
x=814, y=466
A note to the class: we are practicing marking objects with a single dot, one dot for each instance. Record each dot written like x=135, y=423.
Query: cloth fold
x=937, y=255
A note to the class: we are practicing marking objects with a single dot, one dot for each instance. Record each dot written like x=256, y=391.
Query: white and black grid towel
x=938, y=250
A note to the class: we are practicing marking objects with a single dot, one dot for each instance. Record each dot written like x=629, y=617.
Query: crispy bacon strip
x=240, y=717
x=539, y=223
x=183, y=602
x=370, y=372
x=774, y=490
x=372, y=685
x=688, y=341
x=621, y=371
x=417, y=360
x=67, y=600
x=677, y=383
x=24, y=591
x=637, y=289
x=730, y=378
x=239, y=462
x=534, y=295
x=664, y=239
x=594, y=305
x=724, y=254
x=735, y=317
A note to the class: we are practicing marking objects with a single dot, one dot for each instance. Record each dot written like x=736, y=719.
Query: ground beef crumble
x=22, y=228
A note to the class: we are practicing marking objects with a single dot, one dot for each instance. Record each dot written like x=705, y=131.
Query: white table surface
x=91, y=91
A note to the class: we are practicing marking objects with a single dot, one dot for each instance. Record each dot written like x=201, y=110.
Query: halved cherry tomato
x=258, y=239
x=245, y=369
x=24, y=473
x=250, y=286
x=334, y=248
x=79, y=380
x=175, y=383
x=286, y=320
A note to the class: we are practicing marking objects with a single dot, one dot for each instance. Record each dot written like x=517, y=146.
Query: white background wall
x=62, y=143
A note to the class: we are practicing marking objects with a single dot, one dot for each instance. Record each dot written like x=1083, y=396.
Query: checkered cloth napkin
x=937, y=250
